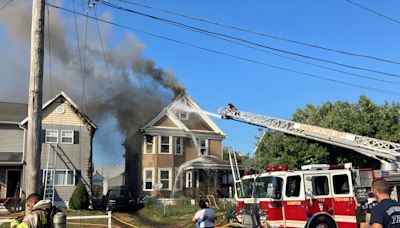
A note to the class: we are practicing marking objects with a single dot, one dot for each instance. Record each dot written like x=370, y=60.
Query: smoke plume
x=129, y=88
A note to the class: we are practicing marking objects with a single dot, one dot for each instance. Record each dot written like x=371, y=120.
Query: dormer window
x=183, y=115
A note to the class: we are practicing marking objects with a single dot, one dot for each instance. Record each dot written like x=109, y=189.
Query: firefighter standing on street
x=386, y=214
x=37, y=217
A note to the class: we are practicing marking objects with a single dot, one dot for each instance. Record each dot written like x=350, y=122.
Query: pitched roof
x=169, y=113
x=12, y=112
x=62, y=95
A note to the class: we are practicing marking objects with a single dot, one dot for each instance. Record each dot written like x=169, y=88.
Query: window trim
x=52, y=136
x=144, y=178
x=169, y=178
x=65, y=175
x=183, y=118
x=189, y=183
x=169, y=144
x=152, y=145
x=181, y=145
x=200, y=147
x=61, y=137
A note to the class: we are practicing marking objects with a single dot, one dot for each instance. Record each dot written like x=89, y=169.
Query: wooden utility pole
x=34, y=143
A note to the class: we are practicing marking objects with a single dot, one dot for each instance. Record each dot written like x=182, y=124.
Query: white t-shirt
x=209, y=213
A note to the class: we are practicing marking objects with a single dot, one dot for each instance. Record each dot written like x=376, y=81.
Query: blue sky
x=213, y=80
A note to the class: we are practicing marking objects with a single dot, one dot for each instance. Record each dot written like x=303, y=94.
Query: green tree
x=80, y=197
x=363, y=118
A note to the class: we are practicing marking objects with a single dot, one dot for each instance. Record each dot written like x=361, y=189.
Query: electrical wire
x=395, y=93
x=261, y=34
x=5, y=4
x=301, y=61
x=179, y=24
x=373, y=11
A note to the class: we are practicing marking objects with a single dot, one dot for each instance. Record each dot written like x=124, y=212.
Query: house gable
x=169, y=117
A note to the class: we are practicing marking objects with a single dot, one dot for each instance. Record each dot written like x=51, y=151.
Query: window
x=148, y=178
x=189, y=181
x=183, y=115
x=320, y=185
x=203, y=147
x=341, y=184
x=165, y=145
x=148, y=144
x=164, y=177
x=62, y=177
x=67, y=136
x=51, y=136
x=268, y=187
x=226, y=179
x=178, y=145
x=178, y=178
x=293, y=186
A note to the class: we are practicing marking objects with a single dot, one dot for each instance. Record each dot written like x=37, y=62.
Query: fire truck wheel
x=322, y=222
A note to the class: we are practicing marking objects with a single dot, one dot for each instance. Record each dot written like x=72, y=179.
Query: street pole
x=34, y=143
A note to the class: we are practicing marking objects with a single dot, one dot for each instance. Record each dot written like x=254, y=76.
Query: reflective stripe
x=23, y=225
x=44, y=220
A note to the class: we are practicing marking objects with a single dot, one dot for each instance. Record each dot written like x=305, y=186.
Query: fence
x=167, y=206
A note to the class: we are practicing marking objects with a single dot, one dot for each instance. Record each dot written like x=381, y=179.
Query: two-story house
x=67, y=136
x=181, y=153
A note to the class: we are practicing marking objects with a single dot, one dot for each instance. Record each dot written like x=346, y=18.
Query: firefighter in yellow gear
x=37, y=216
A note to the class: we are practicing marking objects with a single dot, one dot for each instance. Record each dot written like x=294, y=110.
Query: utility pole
x=34, y=143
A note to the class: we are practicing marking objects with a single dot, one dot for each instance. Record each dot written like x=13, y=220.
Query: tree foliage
x=363, y=118
x=80, y=197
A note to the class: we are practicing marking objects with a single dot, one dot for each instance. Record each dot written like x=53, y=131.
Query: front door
x=295, y=205
x=13, y=182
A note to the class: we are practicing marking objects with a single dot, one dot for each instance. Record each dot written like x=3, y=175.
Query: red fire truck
x=317, y=195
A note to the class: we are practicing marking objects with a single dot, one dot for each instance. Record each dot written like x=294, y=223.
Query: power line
x=395, y=93
x=179, y=24
x=373, y=11
x=299, y=60
x=5, y=4
x=261, y=34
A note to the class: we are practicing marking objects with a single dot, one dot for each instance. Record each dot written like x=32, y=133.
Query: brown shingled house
x=182, y=150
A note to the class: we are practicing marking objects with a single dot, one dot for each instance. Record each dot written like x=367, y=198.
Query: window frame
x=161, y=144
x=169, y=178
x=49, y=130
x=200, y=147
x=348, y=184
x=180, y=140
x=183, y=115
x=299, y=185
x=72, y=138
x=189, y=181
x=146, y=144
x=314, y=188
x=146, y=180
x=66, y=171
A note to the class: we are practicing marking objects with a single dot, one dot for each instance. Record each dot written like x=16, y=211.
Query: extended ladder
x=49, y=174
x=235, y=171
x=381, y=150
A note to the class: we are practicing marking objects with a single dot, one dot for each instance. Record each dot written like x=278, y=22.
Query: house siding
x=70, y=156
x=11, y=138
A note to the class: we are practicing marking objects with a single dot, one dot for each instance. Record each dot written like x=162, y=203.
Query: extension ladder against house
x=49, y=174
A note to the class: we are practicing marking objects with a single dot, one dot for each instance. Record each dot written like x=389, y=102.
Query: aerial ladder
x=384, y=151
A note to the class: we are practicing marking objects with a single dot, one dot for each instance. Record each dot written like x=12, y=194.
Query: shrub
x=80, y=197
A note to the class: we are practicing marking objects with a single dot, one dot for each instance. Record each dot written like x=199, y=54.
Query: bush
x=80, y=197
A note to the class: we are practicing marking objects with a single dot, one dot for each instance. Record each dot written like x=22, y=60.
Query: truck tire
x=322, y=222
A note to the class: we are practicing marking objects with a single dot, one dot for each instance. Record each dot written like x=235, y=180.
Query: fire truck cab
x=316, y=196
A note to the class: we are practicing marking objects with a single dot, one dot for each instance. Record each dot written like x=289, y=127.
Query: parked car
x=118, y=199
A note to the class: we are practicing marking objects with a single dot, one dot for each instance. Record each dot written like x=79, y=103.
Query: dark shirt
x=386, y=213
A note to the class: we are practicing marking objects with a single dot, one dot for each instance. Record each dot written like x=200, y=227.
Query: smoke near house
x=131, y=94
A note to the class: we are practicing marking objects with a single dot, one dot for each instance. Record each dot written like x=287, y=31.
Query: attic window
x=183, y=115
